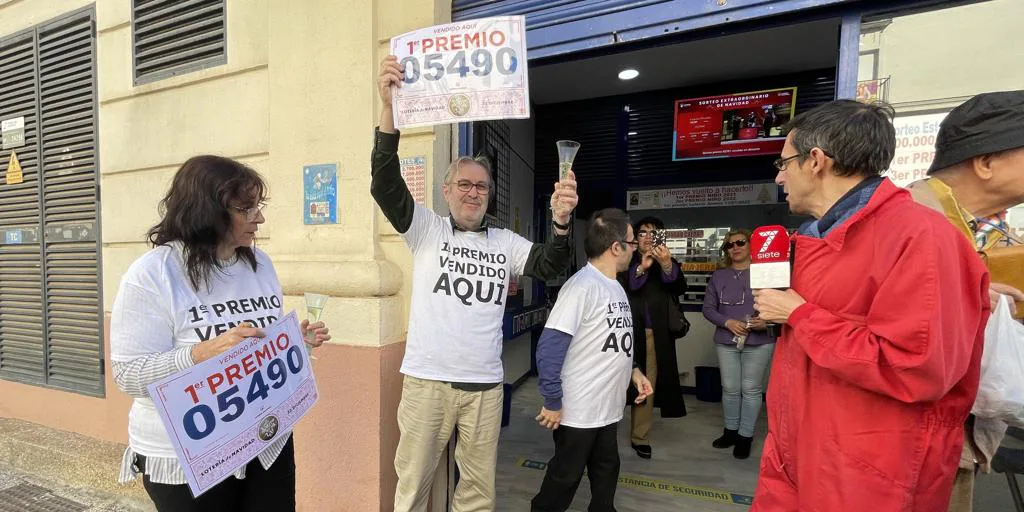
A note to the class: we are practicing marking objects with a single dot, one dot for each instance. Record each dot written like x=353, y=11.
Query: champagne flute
x=315, y=303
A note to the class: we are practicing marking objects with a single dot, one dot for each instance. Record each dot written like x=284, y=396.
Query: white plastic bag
x=1001, y=392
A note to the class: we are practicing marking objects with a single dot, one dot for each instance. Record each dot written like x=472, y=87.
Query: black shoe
x=728, y=439
x=742, y=449
x=643, y=450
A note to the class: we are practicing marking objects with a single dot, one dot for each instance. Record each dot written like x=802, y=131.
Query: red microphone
x=769, y=262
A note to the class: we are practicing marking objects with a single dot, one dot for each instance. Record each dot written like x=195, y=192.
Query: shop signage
x=702, y=197
x=468, y=71
x=221, y=413
x=743, y=124
x=414, y=171
x=915, y=147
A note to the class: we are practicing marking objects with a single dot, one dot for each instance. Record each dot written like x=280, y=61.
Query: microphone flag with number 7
x=221, y=413
x=473, y=70
x=769, y=258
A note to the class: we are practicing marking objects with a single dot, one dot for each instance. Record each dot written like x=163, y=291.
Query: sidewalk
x=48, y=470
x=22, y=492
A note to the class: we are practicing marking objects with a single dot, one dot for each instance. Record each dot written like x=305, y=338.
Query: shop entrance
x=636, y=155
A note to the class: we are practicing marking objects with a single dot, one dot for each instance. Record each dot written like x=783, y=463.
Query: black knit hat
x=985, y=124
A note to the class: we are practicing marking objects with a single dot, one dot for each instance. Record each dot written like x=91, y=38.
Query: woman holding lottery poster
x=201, y=290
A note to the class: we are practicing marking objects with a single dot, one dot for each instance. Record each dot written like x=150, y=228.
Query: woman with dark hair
x=744, y=349
x=654, y=283
x=201, y=290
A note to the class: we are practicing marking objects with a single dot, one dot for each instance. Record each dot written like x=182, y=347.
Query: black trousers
x=262, y=490
x=576, y=449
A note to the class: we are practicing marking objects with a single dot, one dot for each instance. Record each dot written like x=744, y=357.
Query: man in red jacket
x=879, y=358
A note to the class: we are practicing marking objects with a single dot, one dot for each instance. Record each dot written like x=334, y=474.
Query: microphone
x=769, y=263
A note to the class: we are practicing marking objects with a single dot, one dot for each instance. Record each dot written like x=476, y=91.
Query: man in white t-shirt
x=461, y=273
x=585, y=361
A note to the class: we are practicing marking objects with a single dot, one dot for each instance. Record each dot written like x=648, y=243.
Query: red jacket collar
x=886, y=192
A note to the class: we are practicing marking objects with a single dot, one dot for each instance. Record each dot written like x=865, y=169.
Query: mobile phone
x=658, y=237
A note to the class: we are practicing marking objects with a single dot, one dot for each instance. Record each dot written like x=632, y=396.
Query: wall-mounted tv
x=743, y=124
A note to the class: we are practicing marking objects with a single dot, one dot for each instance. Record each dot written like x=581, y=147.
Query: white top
x=594, y=310
x=459, y=284
x=157, y=317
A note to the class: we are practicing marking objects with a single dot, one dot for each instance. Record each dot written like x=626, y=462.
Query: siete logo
x=769, y=236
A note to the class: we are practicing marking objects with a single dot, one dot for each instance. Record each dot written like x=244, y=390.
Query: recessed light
x=628, y=74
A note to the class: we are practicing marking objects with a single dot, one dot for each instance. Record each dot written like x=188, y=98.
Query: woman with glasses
x=744, y=351
x=654, y=283
x=201, y=290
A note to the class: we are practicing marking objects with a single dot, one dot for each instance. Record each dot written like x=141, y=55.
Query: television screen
x=743, y=124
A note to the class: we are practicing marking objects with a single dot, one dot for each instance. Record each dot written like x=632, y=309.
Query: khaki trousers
x=642, y=416
x=427, y=415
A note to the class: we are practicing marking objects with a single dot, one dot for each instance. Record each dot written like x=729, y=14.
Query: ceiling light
x=628, y=74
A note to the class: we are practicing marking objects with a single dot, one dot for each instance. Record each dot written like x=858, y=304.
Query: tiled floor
x=699, y=478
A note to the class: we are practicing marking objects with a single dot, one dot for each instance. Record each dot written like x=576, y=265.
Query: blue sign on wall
x=13, y=236
x=320, y=191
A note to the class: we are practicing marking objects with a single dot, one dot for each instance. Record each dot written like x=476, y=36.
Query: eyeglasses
x=634, y=243
x=743, y=298
x=781, y=163
x=482, y=188
x=645, y=234
x=252, y=212
x=737, y=243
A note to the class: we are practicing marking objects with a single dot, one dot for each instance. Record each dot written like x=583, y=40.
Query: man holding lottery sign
x=462, y=270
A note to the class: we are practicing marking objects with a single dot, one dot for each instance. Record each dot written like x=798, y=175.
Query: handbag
x=678, y=325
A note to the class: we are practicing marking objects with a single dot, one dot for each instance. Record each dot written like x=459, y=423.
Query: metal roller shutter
x=50, y=303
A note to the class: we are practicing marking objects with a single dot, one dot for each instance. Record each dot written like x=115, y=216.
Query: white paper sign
x=468, y=71
x=702, y=197
x=915, y=147
x=221, y=413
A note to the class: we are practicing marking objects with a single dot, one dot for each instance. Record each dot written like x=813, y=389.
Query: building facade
x=102, y=100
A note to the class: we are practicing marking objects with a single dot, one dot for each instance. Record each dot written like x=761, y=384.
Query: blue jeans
x=743, y=384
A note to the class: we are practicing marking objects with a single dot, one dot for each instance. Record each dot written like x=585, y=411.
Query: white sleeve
x=423, y=220
x=570, y=310
x=140, y=323
x=519, y=252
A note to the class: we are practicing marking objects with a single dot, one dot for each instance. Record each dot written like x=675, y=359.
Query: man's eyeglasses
x=634, y=243
x=737, y=243
x=482, y=188
x=780, y=163
x=252, y=212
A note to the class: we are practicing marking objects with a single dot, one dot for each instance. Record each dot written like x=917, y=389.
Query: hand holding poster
x=467, y=71
x=221, y=413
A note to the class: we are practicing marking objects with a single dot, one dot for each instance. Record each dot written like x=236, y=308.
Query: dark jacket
x=655, y=297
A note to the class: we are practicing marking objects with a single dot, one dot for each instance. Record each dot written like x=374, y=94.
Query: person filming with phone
x=654, y=283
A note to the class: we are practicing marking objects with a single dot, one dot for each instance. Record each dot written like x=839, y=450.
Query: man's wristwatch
x=564, y=227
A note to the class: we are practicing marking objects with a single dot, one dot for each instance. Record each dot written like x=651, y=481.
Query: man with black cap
x=977, y=174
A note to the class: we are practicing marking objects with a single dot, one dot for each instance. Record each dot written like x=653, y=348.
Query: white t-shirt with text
x=459, y=288
x=594, y=310
x=157, y=310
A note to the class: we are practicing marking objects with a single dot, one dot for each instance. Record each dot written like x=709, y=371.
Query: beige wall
x=940, y=58
x=298, y=89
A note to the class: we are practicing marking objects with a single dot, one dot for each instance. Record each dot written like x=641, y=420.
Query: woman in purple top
x=744, y=351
